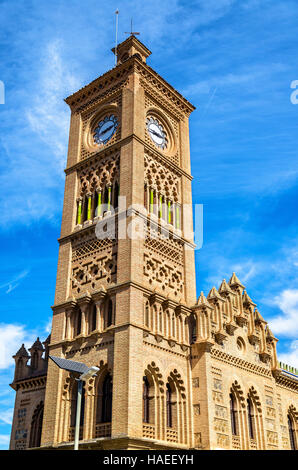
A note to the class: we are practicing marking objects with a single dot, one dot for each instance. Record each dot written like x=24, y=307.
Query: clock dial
x=105, y=129
x=157, y=133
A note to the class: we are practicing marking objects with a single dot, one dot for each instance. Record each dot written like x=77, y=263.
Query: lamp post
x=86, y=373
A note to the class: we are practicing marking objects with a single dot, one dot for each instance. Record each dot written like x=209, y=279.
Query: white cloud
x=11, y=338
x=33, y=179
x=14, y=282
x=6, y=416
x=286, y=324
x=4, y=439
x=49, y=116
x=48, y=327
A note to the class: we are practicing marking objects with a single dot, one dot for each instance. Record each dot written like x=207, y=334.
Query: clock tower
x=175, y=372
x=125, y=278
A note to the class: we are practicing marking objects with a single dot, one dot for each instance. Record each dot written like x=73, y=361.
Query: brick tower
x=175, y=371
x=122, y=302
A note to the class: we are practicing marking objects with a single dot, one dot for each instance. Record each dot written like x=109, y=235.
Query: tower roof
x=258, y=316
x=269, y=333
x=22, y=352
x=225, y=288
x=130, y=47
x=47, y=341
x=136, y=51
x=37, y=345
x=202, y=301
x=214, y=295
x=234, y=281
x=246, y=299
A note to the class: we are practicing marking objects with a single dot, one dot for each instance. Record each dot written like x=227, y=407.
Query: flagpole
x=116, y=13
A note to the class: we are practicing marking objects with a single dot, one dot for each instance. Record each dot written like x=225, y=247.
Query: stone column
x=83, y=303
x=99, y=298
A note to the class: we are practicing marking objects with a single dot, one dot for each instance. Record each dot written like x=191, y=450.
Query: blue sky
x=235, y=61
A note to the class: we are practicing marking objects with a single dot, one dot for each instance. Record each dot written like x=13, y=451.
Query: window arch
x=95, y=204
x=36, y=426
x=291, y=433
x=147, y=314
x=169, y=404
x=192, y=328
x=176, y=406
x=109, y=313
x=78, y=326
x=173, y=325
x=116, y=194
x=160, y=318
x=146, y=411
x=233, y=415
x=85, y=208
x=106, y=408
x=250, y=419
x=34, y=360
x=92, y=321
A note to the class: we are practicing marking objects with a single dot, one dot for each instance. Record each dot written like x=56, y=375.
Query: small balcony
x=71, y=434
x=236, y=442
x=149, y=431
x=172, y=435
x=253, y=444
x=103, y=430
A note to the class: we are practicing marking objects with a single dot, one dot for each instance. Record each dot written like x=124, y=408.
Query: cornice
x=29, y=382
x=286, y=380
x=124, y=285
x=241, y=363
x=100, y=85
x=103, y=83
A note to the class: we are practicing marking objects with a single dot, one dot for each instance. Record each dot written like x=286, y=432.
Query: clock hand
x=156, y=133
x=106, y=130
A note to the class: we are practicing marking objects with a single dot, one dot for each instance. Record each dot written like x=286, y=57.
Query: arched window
x=250, y=418
x=233, y=413
x=85, y=209
x=291, y=433
x=173, y=325
x=106, y=195
x=36, y=427
x=79, y=322
x=116, y=194
x=169, y=406
x=34, y=360
x=95, y=204
x=192, y=324
x=160, y=319
x=147, y=314
x=110, y=313
x=146, y=387
x=106, y=410
x=19, y=368
x=93, y=314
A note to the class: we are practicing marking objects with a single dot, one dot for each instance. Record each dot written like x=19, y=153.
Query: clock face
x=105, y=129
x=157, y=133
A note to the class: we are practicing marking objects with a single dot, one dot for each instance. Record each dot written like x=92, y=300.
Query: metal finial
x=131, y=33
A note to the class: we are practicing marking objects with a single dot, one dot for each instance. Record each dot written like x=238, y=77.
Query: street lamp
x=86, y=373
